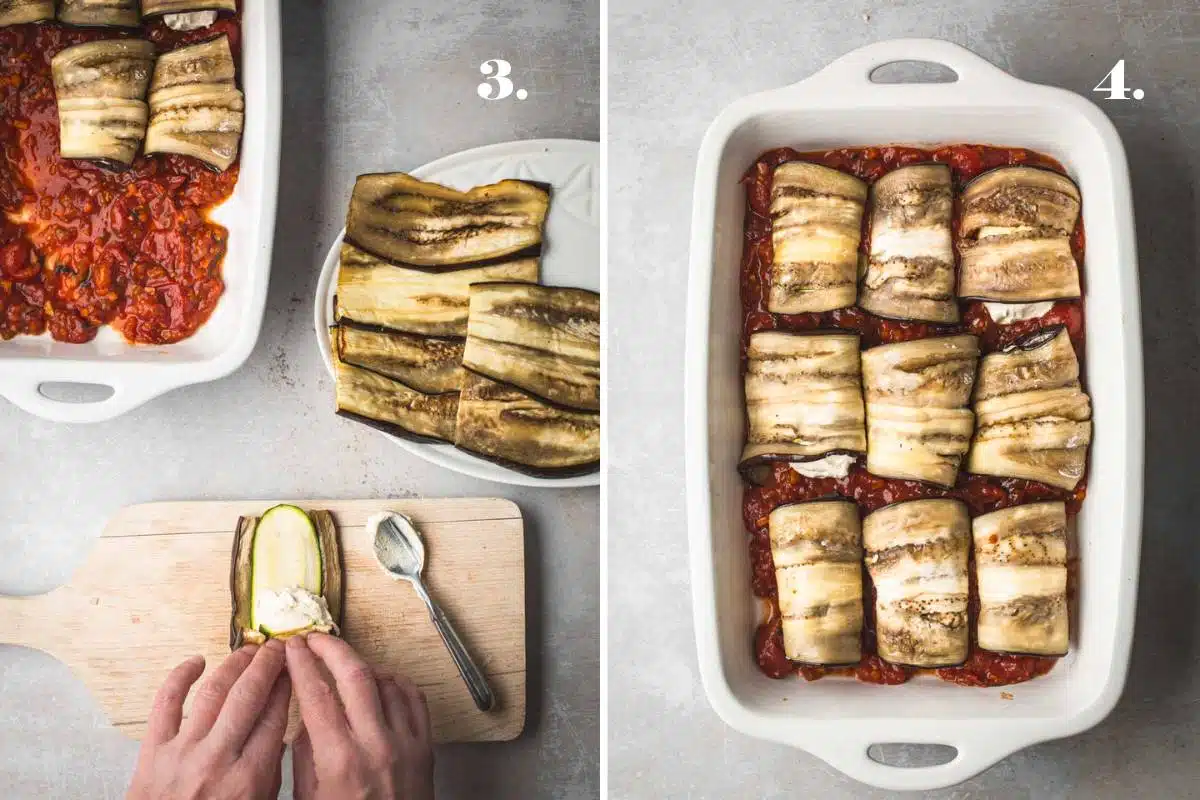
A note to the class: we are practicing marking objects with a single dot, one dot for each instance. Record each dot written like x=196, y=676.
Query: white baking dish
x=137, y=374
x=837, y=719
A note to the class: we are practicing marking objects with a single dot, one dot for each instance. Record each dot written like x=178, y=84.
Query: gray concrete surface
x=384, y=85
x=673, y=66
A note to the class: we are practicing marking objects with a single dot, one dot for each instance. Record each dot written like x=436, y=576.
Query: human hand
x=231, y=745
x=375, y=743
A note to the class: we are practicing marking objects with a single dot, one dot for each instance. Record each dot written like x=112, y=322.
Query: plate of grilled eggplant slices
x=458, y=311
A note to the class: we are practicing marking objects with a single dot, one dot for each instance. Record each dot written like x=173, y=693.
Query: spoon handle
x=481, y=693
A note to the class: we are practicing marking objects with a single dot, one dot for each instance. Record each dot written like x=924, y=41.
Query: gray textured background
x=672, y=69
x=388, y=85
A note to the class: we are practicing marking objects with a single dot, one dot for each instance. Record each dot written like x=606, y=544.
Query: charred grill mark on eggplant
x=100, y=13
x=428, y=364
x=394, y=407
x=20, y=12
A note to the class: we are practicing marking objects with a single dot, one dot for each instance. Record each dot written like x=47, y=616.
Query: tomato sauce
x=82, y=246
x=778, y=484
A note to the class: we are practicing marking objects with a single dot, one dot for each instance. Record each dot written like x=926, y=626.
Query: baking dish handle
x=850, y=755
x=854, y=69
x=25, y=392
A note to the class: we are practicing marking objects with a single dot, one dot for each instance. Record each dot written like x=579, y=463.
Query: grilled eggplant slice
x=803, y=396
x=155, y=8
x=916, y=554
x=542, y=339
x=817, y=549
x=910, y=272
x=427, y=364
x=376, y=292
x=1016, y=225
x=1021, y=564
x=937, y=372
x=503, y=424
x=100, y=87
x=414, y=223
x=291, y=554
x=100, y=13
x=1034, y=418
x=196, y=108
x=19, y=12
x=391, y=406
x=917, y=444
x=816, y=227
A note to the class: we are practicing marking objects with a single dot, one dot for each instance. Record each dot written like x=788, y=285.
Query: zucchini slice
x=427, y=364
x=544, y=340
x=286, y=575
x=19, y=12
x=411, y=222
x=373, y=291
x=100, y=13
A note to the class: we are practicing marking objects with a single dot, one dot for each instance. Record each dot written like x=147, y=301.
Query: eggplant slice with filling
x=816, y=226
x=817, y=550
x=504, y=424
x=1016, y=228
x=100, y=13
x=372, y=291
x=196, y=108
x=186, y=15
x=20, y=12
x=803, y=396
x=937, y=372
x=1021, y=567
x=415, y=223
x=910, y=271
x=428, y=364
x=542, y=339
x=100, y=88
x=1034, y=417
x=916, y=554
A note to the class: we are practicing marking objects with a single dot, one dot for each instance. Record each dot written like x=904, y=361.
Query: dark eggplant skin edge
x=837, y=665
x=346, y=322
x=537, y=472
x=1020, y=653
x=1024, y=166
x=1034, y=340
x=244, y=525
x=539, y=285
x=392, y=428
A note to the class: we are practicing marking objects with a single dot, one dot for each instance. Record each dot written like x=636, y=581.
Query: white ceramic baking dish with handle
x=30, y=366
x=839, y=719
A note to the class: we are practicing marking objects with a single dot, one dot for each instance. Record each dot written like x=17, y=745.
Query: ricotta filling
x=292, y=610
x=834, y=465
x=1006, y=313
x=190, y=20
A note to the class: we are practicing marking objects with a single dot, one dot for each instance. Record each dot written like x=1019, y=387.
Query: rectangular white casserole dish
x=137, y=374
x=838, y=719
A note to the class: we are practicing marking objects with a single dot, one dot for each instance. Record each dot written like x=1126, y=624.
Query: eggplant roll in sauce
x=196, y=108
x=377, y=292
x=154, y=8
x=101, y=13
x=1016, y=228
x=916, y=554
x=542, y=339
x=19, y=12
x=816, y=226
x=918, y=427
x=504, y=424
x=392, y=406
x=817, y=550
x=411, y=222
x=910, y=272
x=1034, y=418
x=100, y=88
x=803, y=396
x=427, y=364
x=1021, y=567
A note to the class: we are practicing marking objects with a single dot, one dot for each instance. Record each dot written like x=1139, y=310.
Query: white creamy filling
x=190, y=20
x=911, y=243
x=291, y=610
x=1006, y=313
x=834, y=465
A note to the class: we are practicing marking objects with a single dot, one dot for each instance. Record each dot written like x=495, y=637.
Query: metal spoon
x=400, y=551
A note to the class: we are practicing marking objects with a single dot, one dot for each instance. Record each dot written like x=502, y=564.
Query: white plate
x=570, y=257
x=838, y=720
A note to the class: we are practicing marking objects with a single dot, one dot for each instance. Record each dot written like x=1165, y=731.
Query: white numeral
x=1116, y=88
x=502, y=87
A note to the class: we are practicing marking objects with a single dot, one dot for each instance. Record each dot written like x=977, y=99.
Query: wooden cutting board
x=155, y=590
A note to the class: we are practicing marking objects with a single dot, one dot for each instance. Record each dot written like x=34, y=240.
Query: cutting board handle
x=25, y=619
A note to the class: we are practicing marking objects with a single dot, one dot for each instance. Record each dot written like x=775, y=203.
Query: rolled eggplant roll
x=411, y=222
x=100, y=13
x=187, y=15
x=817, y=550
x=19, y=12
x=917, y=444
x=542, y=339
x=426, y=363
x=1016, y=229
x=803, y=396
x=1021, y=568
x=196, y=108
x=916, y=554
x=433, y=303
x=391, y=406
x=100, y=88
x=816, y=227
x=504, y=424
x=910, y=272
x=937, y=372
x=1034, y=420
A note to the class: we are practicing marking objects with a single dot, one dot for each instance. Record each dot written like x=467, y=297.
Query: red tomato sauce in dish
x=981, y=493
x=82, y=246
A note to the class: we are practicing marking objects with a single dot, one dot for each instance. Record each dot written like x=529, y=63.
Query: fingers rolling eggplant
x=100, y=13
x=20, y=12
x=428, y=364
